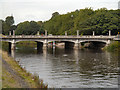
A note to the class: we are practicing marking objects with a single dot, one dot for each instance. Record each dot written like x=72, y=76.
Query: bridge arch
x=67, y=43
x=30, y=40
x=101, y=41
x=94, y=43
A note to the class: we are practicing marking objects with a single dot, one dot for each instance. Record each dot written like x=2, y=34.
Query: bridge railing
x=58, y=36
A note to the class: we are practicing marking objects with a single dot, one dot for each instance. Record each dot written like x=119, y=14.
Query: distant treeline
x=85, y=20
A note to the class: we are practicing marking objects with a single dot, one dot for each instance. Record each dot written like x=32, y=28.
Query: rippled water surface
x=61, y=68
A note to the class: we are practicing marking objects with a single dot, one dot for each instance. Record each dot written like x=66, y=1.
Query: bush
x=115, y=46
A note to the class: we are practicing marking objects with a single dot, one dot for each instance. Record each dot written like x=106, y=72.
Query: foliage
x=9, y=20
x=41, y=28
x=86, y=20
x=115, y=46
x=27, y=28
x=7, y=25
x=55, y=14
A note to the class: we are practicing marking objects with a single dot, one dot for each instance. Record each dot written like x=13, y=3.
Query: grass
x=32, y=80
x=8, y=80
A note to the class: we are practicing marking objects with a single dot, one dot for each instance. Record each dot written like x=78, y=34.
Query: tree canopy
x=85, y=20
x=7, y=25
x=27, y=28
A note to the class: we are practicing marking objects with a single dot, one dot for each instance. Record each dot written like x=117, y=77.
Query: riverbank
x=114, y=46
x=14, y=76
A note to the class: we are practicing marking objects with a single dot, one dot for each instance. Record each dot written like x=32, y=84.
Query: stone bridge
x=43, y=40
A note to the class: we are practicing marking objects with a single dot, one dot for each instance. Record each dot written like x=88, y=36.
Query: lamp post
x=72, y=19
x=93, y=33
x=38, y=33
x=109, y=32
x=9, y=33
x=65, y=33
x=13, y=32
x=77, y=33
x=45, y=32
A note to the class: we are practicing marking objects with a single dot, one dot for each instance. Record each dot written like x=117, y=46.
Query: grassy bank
x=32, y=44
x=114, y=46
x=14, y=76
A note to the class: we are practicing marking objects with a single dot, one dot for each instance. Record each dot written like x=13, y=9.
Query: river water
x=67, y=68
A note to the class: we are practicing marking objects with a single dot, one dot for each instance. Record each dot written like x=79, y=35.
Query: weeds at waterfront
x=114, y=46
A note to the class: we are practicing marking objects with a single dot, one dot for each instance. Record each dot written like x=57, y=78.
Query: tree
x=55, y=14
x=9, y=20
x=41, y=27
x=86, y=20
x=8, y=25
x=27, y=28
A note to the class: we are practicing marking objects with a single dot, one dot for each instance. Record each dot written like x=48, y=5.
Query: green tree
x=55, y=14
x=27, y=28
x=41, y=27
x=7, y=25
x=9, y=20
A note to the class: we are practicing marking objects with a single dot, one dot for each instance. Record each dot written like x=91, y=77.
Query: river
x=68, y=68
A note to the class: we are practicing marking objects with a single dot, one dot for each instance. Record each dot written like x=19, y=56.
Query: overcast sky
x=41, y=10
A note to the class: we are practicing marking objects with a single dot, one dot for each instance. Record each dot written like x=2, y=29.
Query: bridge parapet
x=57, y=36
x=62, y=38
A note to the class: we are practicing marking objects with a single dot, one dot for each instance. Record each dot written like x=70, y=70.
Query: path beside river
x=13, y=76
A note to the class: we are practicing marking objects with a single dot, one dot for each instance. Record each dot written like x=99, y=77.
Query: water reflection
x=76, y=54
x=45, y=54
x=13, y=53
x=71, y=68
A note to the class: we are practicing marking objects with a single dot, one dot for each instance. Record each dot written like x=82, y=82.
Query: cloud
x=38, y=10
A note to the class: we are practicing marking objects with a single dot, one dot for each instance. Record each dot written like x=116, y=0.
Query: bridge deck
x=35, y=36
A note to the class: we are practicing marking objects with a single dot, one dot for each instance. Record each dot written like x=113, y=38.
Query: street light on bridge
x=72, y=19
x=93, y=33
x=109, y=32
x=45, y=32
x=13, y=32
x=77, y=32
x=38, y=33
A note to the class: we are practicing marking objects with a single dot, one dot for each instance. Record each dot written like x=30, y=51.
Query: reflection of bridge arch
x=94, y=43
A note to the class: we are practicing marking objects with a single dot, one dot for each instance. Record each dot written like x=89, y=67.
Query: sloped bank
x=114, y=46
x=14, y=76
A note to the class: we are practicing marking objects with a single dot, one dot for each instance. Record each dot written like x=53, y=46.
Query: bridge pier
x=108, y=42
x=76, y=46
x=45, y=45
x=39, y=46
x=13, y=46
